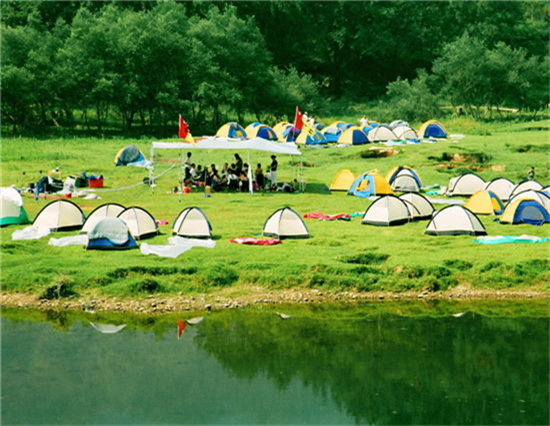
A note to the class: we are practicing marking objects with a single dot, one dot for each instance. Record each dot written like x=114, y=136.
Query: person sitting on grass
x=243, y=181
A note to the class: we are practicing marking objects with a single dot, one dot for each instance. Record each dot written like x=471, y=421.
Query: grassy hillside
x=340, y=255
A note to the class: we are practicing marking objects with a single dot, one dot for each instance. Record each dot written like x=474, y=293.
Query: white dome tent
x=539, y=196
x=60, y=215
x=11, y=205
x=100, y=212
x=405, y=132
x=192, y=223
x=381, y=134
x=455, y=220
x=422, y=205
x=388, y=210
x=285, y=223
x=526, y=185
x=466, y=184
x=140, y=222
x=500, y=186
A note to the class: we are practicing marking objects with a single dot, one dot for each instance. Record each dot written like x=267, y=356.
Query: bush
x=368, y=258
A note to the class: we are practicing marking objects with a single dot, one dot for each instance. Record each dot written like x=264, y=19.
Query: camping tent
x=484, y=202
x=353, y=136
x=371, y=183
x=539, y=196
x=387, y=210
x=278, y=128
x=60, y=215
x=423, y=208
x=342, y=181
x=500, y=186
x=192, y=223
x=381, y=133
x=525, y=211
x=316, y=138
x=285, y=223
x=290, y=133
x=100, y=212
x=404, y=132
x=526, y=185
x=130, y=156
x=231, y=130
x=466, y=184
x=110, y=233
x=11, y=204
x=140, y=222
x=432, y=129
x=455, y=220
x=260, y=130
x=332, y=132
x=404, y=179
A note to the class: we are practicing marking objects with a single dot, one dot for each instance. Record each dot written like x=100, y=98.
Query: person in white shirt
x=364, y=121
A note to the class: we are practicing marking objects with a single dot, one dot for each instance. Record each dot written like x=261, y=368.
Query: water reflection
x=361, y=365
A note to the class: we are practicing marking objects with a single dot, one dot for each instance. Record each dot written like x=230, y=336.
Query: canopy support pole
x=249, y=175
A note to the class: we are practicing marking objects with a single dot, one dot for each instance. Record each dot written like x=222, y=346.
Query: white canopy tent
x=215, y=142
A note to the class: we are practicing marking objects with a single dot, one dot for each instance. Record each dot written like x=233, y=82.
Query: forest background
x=104, y=67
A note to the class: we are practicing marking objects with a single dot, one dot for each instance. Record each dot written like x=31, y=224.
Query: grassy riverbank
x=340, y=256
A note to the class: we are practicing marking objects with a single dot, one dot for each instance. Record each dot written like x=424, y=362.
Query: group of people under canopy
x=232, y=176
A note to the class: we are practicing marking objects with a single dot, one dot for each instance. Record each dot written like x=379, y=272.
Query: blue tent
x=110, y=233
x=291, y=133
x=525, y=211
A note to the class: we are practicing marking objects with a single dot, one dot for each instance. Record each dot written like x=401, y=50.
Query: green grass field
x=339, y=256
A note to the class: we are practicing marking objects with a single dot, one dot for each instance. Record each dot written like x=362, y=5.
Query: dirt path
x=247, y=296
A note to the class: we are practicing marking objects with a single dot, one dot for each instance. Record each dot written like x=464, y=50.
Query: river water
x=375, y=363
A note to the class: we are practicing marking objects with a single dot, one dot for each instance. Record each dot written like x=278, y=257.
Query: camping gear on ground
x=502, y=187
x=11, y=206
x=60, y=215
x=73, y=240
x=526, y=185
x=232, y=130
x=342, y=181
x=130, y=156
x=259, y=130
x=30, y=233
x=95, y=182
x=465, y=184
x=539, y=196
x=285, y=223
x=176, y=246
x=404, y=132
x=404, y=179
x=110, y=233
x=192, y=223
x=423, y=208
x=387, y=210
x=527, y=211
x=501, y=239
x=255, y=241
x=140, y=222
x=455, y=220
x=104, y=210
x=370, y=183
x=432, y=129
x=485, y=202
x=353, y=135
x=381, y=133
x=322, y=216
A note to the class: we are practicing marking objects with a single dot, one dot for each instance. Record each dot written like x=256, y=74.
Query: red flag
x=181, y=328
x=298, y=122
x=184, y=128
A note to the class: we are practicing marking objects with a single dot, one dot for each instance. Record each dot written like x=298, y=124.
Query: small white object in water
x=195, y=321
x=107, y=328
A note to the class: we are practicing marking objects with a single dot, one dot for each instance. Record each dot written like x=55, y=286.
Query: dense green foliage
x=340, y=256
x=74, y=64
